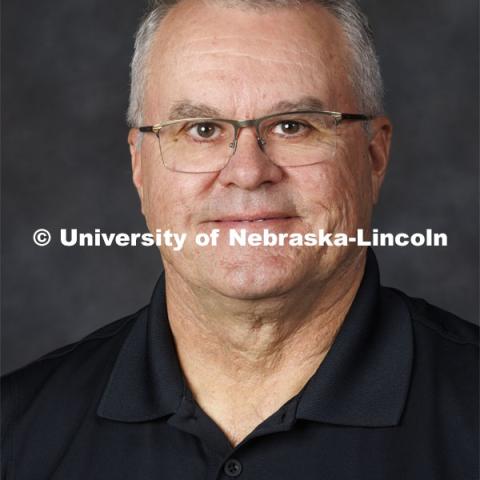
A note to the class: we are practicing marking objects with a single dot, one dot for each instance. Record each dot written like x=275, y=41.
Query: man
x=262, y=361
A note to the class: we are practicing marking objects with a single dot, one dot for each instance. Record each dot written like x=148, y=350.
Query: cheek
x=166, y=205
x=171, y=198
x=335, y=194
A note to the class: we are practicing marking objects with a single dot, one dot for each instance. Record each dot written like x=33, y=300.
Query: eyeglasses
x=290, y=139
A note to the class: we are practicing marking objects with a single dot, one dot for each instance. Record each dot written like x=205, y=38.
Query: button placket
x=232, y=468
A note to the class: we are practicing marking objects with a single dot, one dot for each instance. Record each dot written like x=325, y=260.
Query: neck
x=230, y=350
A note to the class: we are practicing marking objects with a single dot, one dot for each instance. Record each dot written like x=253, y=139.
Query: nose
x=249, y=167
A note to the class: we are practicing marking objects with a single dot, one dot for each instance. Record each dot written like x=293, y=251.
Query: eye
x=204, y=131
x=289, y=127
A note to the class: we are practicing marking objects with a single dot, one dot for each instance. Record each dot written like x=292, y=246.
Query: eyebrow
x=186, y=109
x=304, y=103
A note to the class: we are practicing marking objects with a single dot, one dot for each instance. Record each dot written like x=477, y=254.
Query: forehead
x=241, y=59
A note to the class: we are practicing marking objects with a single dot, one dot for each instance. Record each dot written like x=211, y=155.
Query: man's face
x=243, y=63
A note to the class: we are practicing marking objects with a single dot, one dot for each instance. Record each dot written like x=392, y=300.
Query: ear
x=379, y=152
x=134, y=142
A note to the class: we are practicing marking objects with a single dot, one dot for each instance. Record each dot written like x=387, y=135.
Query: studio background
x=65, y=163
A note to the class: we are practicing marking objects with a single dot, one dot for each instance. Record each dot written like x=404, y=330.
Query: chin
x=261, y=278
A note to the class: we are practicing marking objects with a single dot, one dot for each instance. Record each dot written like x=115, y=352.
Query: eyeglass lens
x=204, y=145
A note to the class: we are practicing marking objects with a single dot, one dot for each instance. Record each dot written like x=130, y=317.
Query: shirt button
x=232, y=468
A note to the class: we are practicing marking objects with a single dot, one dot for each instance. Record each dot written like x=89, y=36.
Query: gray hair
x=365, y=75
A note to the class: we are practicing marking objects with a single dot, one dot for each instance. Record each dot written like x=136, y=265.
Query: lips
x=255, y=218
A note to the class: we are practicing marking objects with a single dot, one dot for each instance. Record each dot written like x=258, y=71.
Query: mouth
x=254, y=218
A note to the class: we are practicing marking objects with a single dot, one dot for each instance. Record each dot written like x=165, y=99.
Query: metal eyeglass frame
x=239, y=124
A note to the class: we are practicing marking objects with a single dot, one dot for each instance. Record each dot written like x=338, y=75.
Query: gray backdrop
x=66, y=163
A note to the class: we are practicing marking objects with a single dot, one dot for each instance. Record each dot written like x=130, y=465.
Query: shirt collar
x=363, y=380
x=365, y=377
x=146, y=381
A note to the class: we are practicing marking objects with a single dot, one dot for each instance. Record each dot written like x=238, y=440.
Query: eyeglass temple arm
x=153, y=129
x=355, y=117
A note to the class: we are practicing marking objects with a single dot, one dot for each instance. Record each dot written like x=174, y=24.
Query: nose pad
x=250, y=167
x=233, y=145
x=261, y=143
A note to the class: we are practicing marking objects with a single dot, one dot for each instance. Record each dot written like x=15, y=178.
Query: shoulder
x=440, y=324
x=76, y=366
x=445, y=352
x=445, y=370
x=99, y=339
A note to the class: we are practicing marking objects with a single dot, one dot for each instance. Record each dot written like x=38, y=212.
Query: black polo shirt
x=395, y=398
